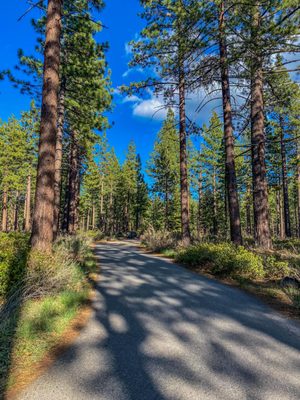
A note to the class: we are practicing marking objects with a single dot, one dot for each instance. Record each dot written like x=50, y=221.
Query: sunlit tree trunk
x=27, y=210
x=42, y=226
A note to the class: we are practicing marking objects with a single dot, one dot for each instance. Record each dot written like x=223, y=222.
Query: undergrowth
x=39, y=305
x=249, y=267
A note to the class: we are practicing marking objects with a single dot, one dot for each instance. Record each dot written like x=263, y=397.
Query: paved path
x=160, y=332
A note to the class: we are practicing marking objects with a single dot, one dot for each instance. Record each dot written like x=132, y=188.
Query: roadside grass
x=32, y=327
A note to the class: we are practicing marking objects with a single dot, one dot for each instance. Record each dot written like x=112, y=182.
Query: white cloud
x=151, y=108
x=131, y=70
x=128, y=49
x=131, y=99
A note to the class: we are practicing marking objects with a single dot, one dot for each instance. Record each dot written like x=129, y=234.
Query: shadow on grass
x=14, y=251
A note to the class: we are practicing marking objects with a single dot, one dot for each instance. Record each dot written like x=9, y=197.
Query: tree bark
x=248, y=212
x=230, y=171
x=285, y=190
x=199, y=217
x=58, y=158
x=27, y=211
x=73, y=185
x=215, y=210
x=184, y=188
x=260, y=188
x=88, y=221
x=16, y=212
x=42, y=227
x=4, y=211
x=93, y=217
x=298, y=185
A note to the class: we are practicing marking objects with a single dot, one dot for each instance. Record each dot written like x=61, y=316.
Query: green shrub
x=14, y=250
x=223, y=259
x=275, y=269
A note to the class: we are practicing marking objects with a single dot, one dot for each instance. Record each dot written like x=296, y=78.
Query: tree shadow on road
x=167, y=333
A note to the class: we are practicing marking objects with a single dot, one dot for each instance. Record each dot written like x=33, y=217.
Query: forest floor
x=160, y=331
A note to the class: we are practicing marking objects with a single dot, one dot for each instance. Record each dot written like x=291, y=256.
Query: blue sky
x=132, y=120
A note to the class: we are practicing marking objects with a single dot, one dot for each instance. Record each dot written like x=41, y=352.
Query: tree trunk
x=215, y=210
x=298, y=186
x=27, y=210
x=93, y=217
x=285, y=189
x=199, y=217
x=42, y=227
x=101, y=222
x=248, y=212
x=16, y=212
x=167, y=222
x=278, y=214
x=230, y=172
x=184, y=189
x=4, y=211
x=58, y=158
x=88, y=221
x=260, y=188
x=73, y=185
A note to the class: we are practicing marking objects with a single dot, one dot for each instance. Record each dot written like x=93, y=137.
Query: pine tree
x=212, y=158
x=163, y=168
x=43, y=217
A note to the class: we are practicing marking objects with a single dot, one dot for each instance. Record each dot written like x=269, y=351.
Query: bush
x=158, y=240
x=223, y=259
x=14, y=250
x=275, y=269
x=66, y=269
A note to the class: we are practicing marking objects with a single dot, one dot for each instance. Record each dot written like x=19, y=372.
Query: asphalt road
x=160, y=332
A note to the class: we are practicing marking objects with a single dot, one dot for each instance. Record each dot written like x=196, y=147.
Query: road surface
x=160, y=332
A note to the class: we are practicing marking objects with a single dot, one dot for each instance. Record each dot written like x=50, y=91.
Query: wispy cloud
x=132, y=70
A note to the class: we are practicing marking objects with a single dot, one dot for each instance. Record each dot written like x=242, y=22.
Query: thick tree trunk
x=58, y=158
x=27, y=210
x=230, y=172
x=4, y=211
x=285, y=190
x=42, y=227
x=73, y=185
x=184, y=188
x=260, y=188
